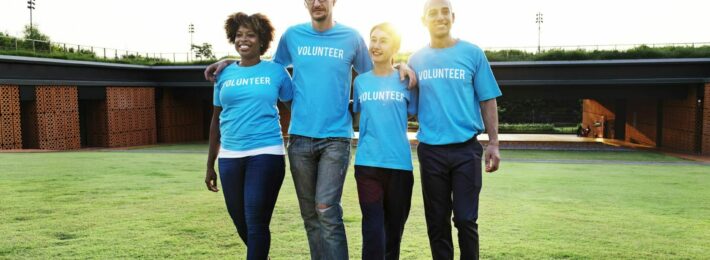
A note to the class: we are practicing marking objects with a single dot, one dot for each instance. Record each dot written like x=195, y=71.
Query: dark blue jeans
x=318, y=167
x=251, y=186
x=451, y=180
x=385, y=197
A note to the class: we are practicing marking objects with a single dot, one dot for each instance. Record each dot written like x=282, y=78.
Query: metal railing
x=48, y=47
x=93, y=52
x=619, y=47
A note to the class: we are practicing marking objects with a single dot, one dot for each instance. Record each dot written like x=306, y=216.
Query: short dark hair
x=257, y=22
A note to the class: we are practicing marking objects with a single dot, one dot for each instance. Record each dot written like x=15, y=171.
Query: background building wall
x=642, y=122
x=181, y=115
x=596, y=114
x=679, y=123
x=52, y=119
x=96, y=114
x=10, y=123
x=131, y=116
x=706, y=121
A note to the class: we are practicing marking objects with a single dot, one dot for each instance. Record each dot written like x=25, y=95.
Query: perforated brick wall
x=641, y=121
x=706, y=121
x=130, y=114
x=10, y=124
x=181, y=115
x=679, y=119
x=52, y=120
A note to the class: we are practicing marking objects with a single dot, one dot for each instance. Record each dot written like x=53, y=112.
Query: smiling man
x=457, y=102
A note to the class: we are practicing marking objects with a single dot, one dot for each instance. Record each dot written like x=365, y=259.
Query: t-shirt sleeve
x=484, y=83
x=362, y=62
x=215, y=96
x=282, y=55
x=286, y=88
x=356, y=96
x=413, y=101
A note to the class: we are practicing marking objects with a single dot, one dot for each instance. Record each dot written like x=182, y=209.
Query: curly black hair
x=258, y=23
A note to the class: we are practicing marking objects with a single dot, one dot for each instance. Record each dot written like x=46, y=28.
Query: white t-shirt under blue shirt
x=452, y=82
x=322, y=65
x=248, y=96
x=384, y=103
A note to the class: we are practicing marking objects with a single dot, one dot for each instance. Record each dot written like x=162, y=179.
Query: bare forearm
x=214, y=139
x=489, y=110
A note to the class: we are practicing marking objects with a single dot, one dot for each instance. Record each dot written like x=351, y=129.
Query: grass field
x=151, y=203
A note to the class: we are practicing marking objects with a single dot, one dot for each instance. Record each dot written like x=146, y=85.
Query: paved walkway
x=550, y=142
x=606, y=162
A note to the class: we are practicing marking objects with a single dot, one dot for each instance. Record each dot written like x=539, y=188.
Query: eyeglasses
x=310, y=2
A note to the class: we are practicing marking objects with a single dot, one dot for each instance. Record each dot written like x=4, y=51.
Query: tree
x=204, y=51
x=34, y=34
x=35, y=40
x=7, y=42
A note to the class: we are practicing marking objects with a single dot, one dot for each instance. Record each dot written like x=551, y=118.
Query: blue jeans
x=251, y=186
x=318, y=166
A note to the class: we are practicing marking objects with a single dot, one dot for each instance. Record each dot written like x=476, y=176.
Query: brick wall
x=131, y=116
x=51, y=122
x=10, y=124
x=706, y=121
x=641, y=121
x=181, y=115
x=596, y=112
x=679, y=118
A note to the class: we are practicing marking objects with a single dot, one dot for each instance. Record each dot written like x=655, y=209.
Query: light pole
x=538, y=21
x=31, y=6
x=191, y=30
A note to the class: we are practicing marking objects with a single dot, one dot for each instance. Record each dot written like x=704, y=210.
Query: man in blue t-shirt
x=323, y=54
x=457, y=101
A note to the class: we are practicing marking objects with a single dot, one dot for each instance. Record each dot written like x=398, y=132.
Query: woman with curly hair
x=245, y=134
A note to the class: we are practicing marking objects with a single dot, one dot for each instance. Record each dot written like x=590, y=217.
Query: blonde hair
x=389, y=29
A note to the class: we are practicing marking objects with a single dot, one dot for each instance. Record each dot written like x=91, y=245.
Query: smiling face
x=320, y=10
x=247, y=43
x=382, y=46
x=438, y=18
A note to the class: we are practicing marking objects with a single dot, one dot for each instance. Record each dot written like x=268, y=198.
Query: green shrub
x=536, y=129
x=22, y=47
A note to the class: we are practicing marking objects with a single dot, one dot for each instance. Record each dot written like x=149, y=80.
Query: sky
x=161, y=26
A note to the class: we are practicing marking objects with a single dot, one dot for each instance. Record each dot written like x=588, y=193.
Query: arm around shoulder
x=214, y=69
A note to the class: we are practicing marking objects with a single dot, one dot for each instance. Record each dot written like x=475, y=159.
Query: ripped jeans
x=318, y=166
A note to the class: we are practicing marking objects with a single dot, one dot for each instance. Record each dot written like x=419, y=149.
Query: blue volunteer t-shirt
x=322, y=64
x=384, y=103
x=248, y=96
x=452, y=82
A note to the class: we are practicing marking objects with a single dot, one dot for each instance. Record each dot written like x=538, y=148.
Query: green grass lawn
x=109, y=205
x=198, y=147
